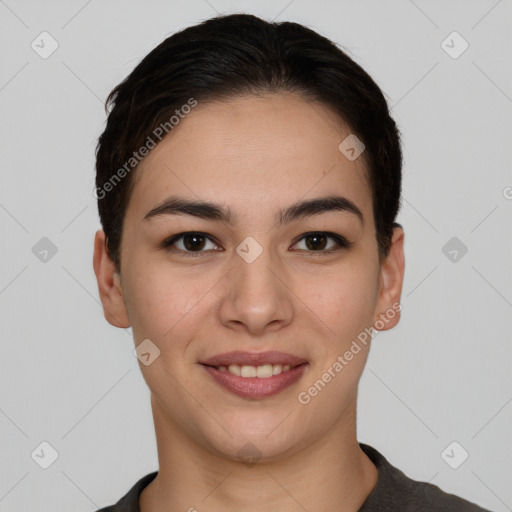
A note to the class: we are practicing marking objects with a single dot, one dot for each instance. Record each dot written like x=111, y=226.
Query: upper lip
x=253, y=358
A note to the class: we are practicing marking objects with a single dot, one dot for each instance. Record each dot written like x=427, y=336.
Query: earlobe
x=109, y=284
x=391, y=279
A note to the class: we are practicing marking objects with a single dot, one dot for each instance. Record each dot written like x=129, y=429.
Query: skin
x=255, y=155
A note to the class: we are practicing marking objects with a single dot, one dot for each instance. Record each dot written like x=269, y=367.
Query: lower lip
x=254, y=387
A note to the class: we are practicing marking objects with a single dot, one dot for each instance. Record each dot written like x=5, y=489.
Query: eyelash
x=342, y=242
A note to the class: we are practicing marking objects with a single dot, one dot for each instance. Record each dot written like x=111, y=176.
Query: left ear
x=387, y=311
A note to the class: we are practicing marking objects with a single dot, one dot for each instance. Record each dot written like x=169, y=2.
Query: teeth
x=262, y=372
x=234, y=369
x=277, y=369
x=248, y=371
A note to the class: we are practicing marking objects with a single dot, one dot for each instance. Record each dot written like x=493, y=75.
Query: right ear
x=109, y=284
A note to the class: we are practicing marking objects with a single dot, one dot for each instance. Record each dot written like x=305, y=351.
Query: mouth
x=263, y=371
x=255, y=375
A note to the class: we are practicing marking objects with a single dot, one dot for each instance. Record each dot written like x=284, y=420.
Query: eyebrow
x=217, y=212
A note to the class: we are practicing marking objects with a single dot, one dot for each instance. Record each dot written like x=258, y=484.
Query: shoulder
x=130, y=501
x=395, y=491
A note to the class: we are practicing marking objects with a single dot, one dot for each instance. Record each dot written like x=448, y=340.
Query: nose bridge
x=255, y=270
x=255, y=274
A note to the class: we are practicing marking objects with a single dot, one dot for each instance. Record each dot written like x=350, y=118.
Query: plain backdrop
x=69, y=379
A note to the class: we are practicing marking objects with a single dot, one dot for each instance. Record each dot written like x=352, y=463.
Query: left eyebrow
x=317, y=206
x=212, y=211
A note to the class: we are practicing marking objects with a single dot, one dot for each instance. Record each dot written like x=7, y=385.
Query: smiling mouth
x=256, y=382
x=263, y=371
x=255, y=375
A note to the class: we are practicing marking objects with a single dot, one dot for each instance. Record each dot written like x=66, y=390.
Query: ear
x=387, y=311
x=109, y=284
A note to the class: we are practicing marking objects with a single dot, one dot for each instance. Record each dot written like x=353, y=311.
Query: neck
x=330, y=473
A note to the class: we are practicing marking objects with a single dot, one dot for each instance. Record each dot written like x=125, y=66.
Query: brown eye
x=191, y=242
x=316, y=242
x=319, y=242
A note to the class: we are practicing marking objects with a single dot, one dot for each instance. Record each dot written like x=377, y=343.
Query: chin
x=253, y=436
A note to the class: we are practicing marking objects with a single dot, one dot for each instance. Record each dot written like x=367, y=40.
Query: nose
x=256, y=296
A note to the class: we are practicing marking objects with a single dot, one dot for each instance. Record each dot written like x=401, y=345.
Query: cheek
x=160, y=305
x=346, y=299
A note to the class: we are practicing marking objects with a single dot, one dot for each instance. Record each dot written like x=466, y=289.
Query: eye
x=318, y=242
x=190, y=243
x=194, y=243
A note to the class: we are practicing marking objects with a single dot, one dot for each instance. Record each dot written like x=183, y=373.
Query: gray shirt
x=394, y=492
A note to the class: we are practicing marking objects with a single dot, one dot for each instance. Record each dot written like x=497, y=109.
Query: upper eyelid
x=174, y=238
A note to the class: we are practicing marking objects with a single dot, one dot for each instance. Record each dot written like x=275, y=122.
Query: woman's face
x=255, y=282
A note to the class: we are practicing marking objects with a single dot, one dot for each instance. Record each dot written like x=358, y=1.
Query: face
x=246, y=274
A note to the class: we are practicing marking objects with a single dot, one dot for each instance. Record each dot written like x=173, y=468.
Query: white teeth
x=248, y=371
x=277, y=369
x=234, y=369
x=262, y=372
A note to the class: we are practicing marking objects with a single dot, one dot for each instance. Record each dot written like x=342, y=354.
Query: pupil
x=316, y=238
x=198, y=242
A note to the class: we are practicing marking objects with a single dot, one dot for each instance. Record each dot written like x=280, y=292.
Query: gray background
x=70, y=379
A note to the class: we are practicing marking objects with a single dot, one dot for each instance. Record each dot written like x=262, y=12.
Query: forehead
x=253, y=152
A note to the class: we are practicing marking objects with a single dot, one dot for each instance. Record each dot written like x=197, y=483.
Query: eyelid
x=168, y=243
x=341, y=242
